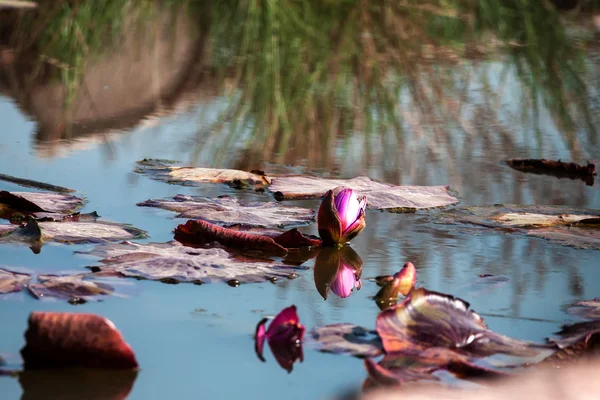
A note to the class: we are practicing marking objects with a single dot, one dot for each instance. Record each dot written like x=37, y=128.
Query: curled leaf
x=202, y=232
x=429, y=319
x=57, y=340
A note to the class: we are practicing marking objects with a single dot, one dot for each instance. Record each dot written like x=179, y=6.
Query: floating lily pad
x=562, y=225
x=173, y=262
x=227, y=210
x=68, y=232
x=35, y=184
x=347, y=339
x=34, y=202
x=589, y=309
x=381, y=196
x=428, y=319
x=77, y=289
x=58, y=340
x=11, y=282
x=576, y=341
x=190, y=176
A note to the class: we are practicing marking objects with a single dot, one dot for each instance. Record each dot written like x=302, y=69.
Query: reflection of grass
x=67, y=34
x=309, y=72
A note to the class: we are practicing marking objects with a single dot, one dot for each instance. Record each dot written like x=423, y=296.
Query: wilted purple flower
x=284, y=336
x=341, y=217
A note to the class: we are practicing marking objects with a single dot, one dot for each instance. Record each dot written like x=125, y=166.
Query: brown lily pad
x=589, y=309
x=173, y=262
x=347, y=339
x=563, y=225
x=428, y=319
x=191, y=176
x=576, y=341
x=381, y=196
x=34, y=202
x=76, y=289
x=58, y=340
x=68, y=231
x=11, y=282
x=227, y=211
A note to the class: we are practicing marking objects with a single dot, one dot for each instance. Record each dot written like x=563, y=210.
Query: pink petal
x=348, y=207
x=259, y=338
x=283, y=324
x=344, y=282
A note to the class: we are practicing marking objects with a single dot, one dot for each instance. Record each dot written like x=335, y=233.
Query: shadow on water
x=428, y=94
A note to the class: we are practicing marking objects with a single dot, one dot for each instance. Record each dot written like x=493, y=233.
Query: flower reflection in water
x=338, y=270
x=284, y=336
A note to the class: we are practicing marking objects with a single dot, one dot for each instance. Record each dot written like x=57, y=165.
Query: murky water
x=196, y=341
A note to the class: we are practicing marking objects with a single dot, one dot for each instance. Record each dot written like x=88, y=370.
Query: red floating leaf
x=202, y=232
x=428, y=319
x=56, y=340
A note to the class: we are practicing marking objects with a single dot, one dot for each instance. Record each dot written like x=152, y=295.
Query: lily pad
x=562, y=225
x=227, y=210
x=34, y=202
x=428, y=319
x=68, y=232
x=11, y=282
x=381, y=196
x=347, y=339
x=589, y=309
x=191, y=176
x=576, y=341
x=173, y=262
x=76, y=289
x=58, y=340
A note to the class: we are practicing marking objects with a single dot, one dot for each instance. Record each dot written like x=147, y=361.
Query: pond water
x=197, y=341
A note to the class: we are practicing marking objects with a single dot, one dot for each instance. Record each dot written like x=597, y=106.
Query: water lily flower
x=284, y=336
x=341, y=217
x=338, y=270
x=402, y=282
